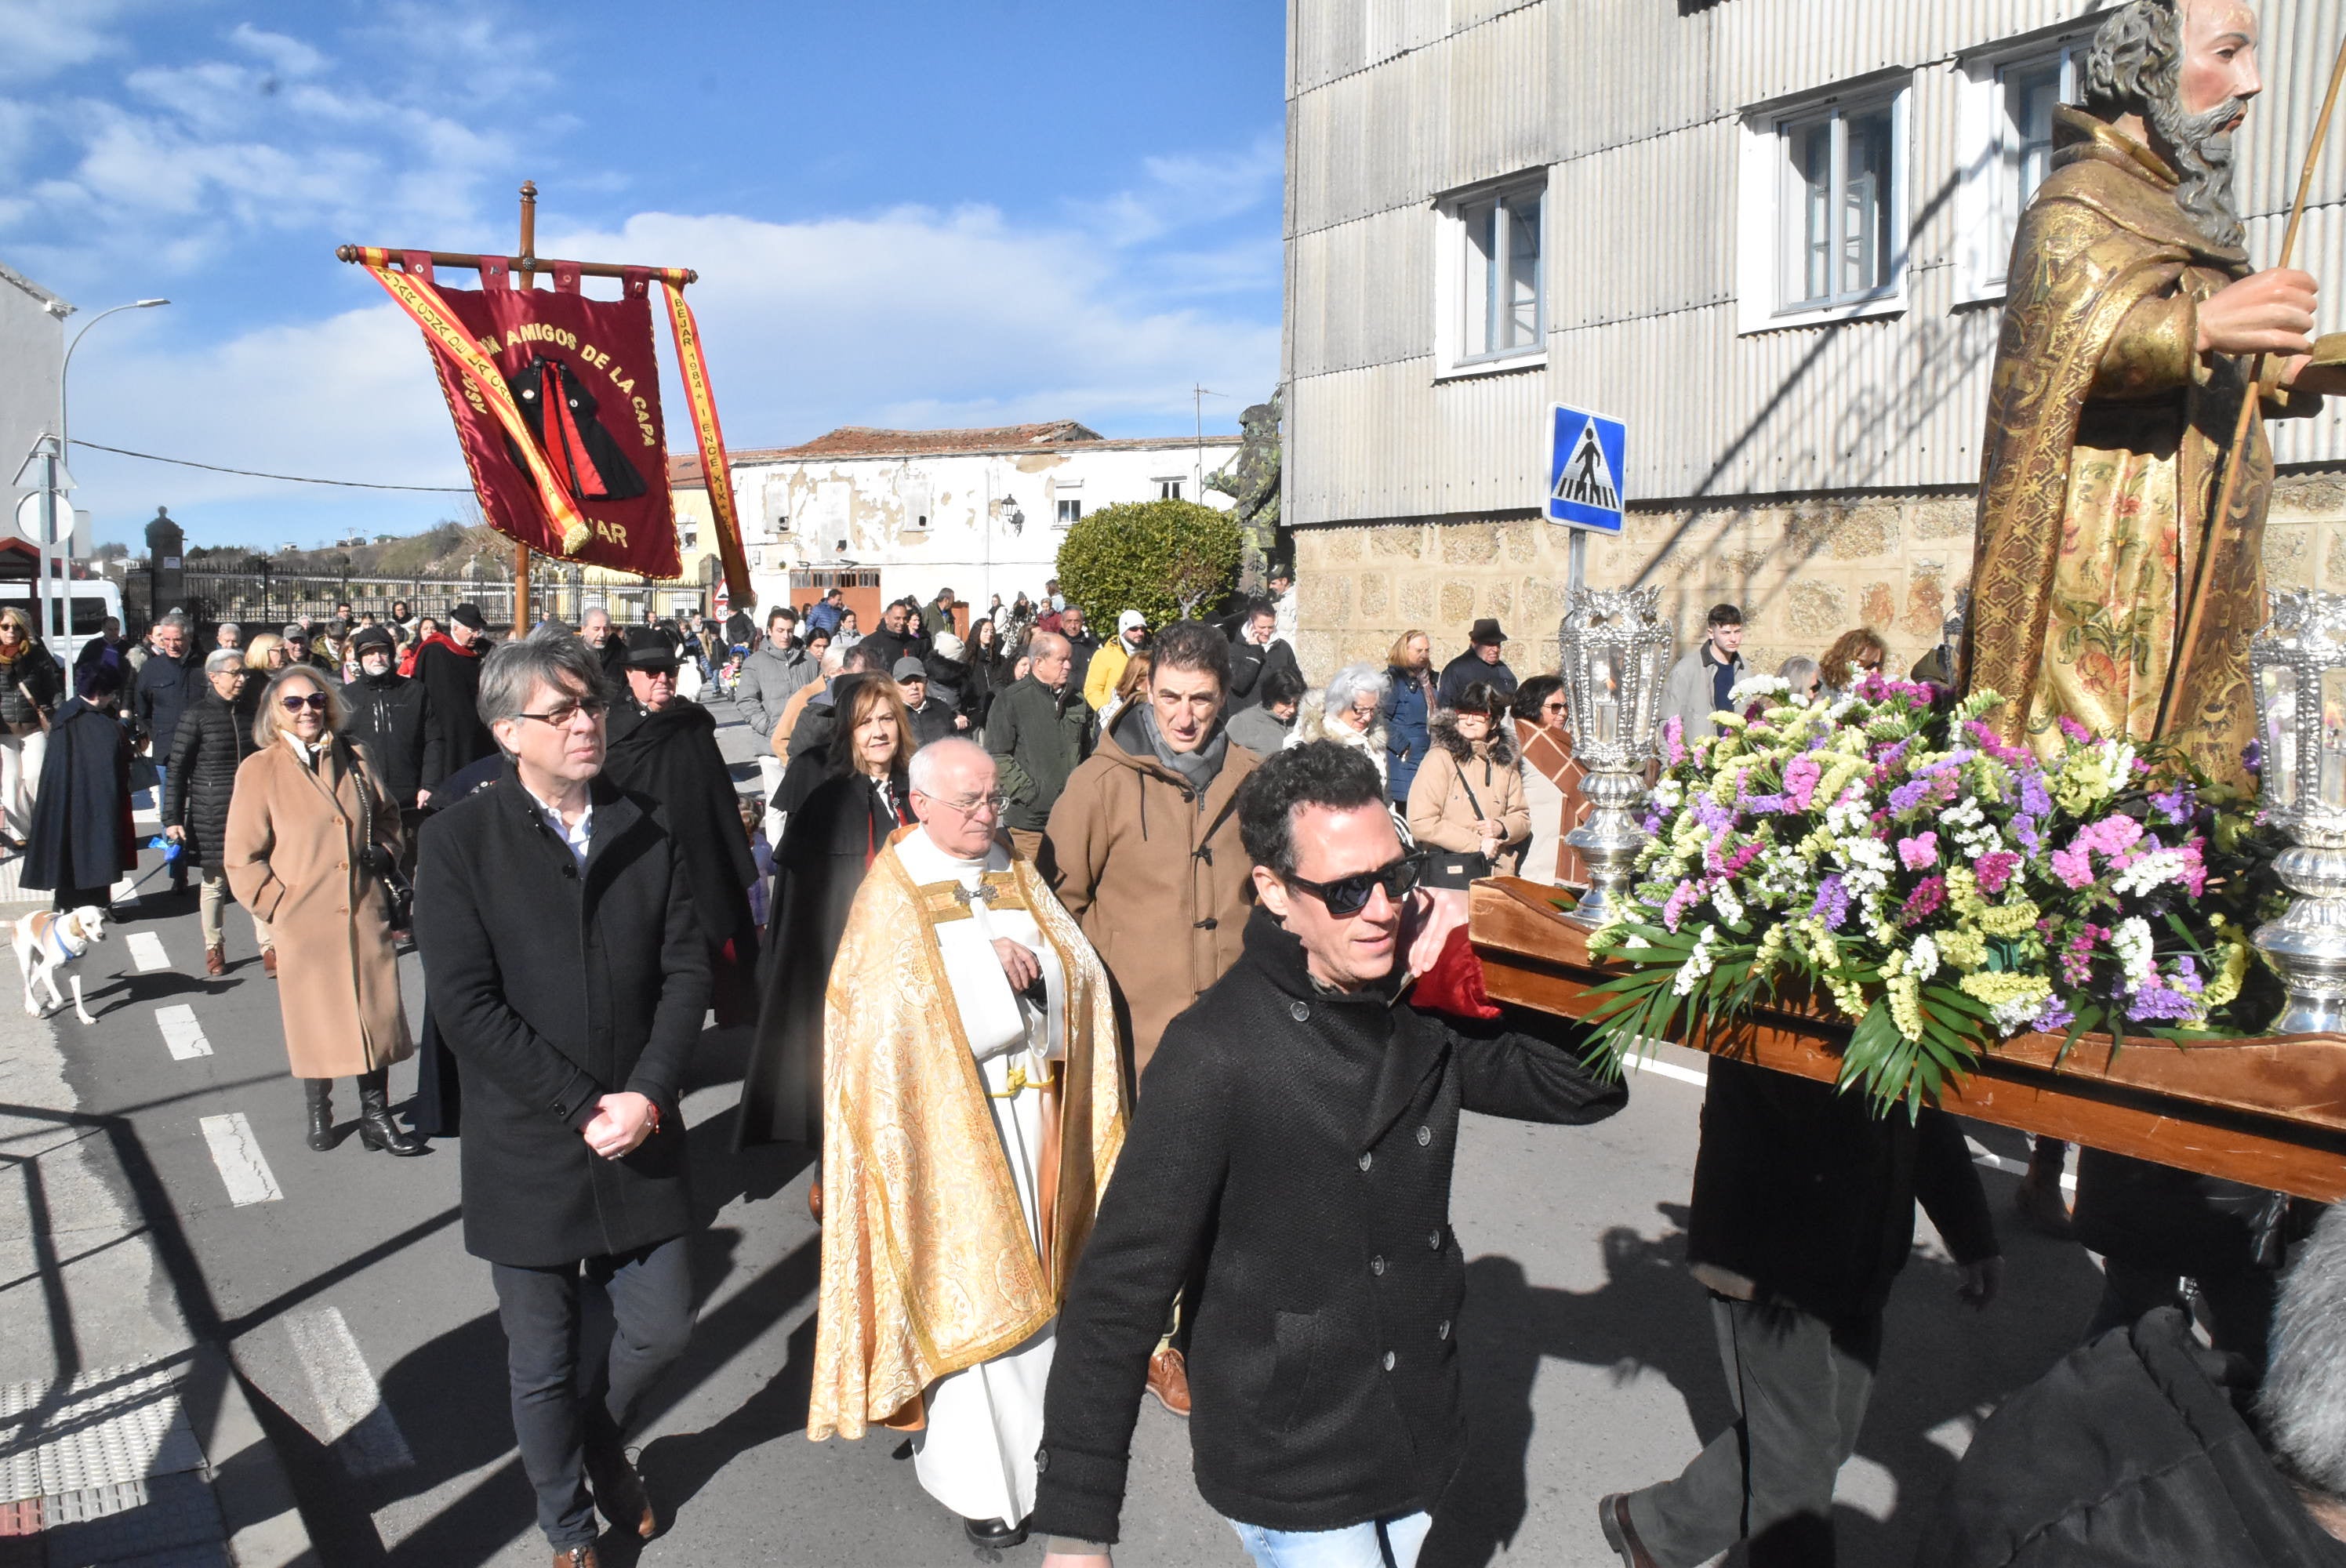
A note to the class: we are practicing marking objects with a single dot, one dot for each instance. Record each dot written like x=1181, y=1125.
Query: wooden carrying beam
x=2270, y=1113
x=527, y=264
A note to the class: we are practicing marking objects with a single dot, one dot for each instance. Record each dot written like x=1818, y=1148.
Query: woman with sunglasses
x=311, y=831
x=1553, y=775
x=1467, y=797
x=1854, y=655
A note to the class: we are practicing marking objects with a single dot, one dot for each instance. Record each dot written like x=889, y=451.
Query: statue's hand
x=2267, y=312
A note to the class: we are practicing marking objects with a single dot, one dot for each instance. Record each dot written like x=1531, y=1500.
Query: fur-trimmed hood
x=1312, y=723
x=1442, y=730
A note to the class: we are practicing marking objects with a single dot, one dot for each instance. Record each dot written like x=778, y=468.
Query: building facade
x=1768, y=234
x=979, y=511
x=32, y=359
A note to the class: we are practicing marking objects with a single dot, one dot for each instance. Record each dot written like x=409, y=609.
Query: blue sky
x=904, y=213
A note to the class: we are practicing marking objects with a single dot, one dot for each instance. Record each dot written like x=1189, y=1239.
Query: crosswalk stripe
x=182, y=1033
x=358, y=1425
x=146, y=952
x=238, y=1156
x=1660, y=1068
x=125, y=892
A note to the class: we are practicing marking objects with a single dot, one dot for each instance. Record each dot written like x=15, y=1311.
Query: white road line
x=358, y=1425
x=182, y=1033
x=146, y=952
x=1660, y=1068
x=238, y=1156
x=1981, y=1156
x=125, y=892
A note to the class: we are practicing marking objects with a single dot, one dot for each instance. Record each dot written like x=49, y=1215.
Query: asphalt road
x=369, y=1340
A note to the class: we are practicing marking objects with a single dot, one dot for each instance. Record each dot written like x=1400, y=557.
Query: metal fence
x=266, y=600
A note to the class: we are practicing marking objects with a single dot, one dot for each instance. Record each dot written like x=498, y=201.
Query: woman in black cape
x=833, y=833
x=81, y=839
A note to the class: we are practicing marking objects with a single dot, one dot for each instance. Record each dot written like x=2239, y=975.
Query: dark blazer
x=164, y=689
x=385, y=715
x=213, y=738
x=1289, y=1161
x=1808, y=1193
x=1464, y=671
x=553, y=989
x=81, y=836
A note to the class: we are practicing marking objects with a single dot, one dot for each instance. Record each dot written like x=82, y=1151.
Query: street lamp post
x=41, y=595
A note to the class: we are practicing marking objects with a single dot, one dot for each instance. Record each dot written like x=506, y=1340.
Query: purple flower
x=2176, y=805
x=2252, y=756
x=2074, y=731
x=1910, y=796
x=2054, y=1017
x=2024, y=833
x=2035, y=802
x=2155, y=1003
x=1832, y=903
x=1681, y=898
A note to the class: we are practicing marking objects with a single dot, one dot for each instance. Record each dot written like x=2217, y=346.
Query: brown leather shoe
x=814, y=1200
x=269, y=962
x=619, y=1491
x=575, y=1557
x=215, y=961
x=1168, y=1380
x=1613, y=1518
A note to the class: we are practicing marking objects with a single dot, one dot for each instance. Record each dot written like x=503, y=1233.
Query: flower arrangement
x=1887, y=855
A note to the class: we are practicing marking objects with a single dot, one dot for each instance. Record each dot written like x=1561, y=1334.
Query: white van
x=79, y=607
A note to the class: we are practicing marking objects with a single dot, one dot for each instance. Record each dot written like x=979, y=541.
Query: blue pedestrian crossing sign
x=1584, y=469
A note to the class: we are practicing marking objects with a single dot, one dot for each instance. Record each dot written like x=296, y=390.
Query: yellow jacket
x=1106, y=669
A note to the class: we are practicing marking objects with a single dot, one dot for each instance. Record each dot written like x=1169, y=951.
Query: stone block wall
x=1804, y=570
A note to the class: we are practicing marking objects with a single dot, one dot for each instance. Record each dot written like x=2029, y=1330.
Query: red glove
x=1455, y=985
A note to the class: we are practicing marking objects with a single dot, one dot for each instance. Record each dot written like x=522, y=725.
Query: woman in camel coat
x=1468, y=796
x=308, y=808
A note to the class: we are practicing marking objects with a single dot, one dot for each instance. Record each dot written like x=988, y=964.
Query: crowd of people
x=1076, y=967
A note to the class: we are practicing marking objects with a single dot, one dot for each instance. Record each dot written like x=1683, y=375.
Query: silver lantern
x=2297, y=667
x=1616, y=651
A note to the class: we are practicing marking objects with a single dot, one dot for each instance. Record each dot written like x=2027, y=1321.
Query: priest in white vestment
x=973, y=1109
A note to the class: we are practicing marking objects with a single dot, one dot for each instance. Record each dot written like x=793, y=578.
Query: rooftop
x=857, y=441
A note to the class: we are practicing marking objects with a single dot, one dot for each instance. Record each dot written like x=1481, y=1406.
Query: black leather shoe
x=376, y=1129
x=995, y=1533
x=320, y=1093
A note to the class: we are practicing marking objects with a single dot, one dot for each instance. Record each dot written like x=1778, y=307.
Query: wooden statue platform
x=2268, y=1112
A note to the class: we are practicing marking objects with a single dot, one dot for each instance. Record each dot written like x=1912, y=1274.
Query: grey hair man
x=169, y=683
x=1038, y=731
x=518, y=884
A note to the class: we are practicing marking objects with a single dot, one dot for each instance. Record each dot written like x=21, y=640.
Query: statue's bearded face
x=2189, y=67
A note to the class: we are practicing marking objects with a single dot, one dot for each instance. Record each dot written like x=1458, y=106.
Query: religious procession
x=1453, y=976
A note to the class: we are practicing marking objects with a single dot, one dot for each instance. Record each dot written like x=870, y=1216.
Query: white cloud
x=291, y=57
x=46, y=36
x=1186, y=190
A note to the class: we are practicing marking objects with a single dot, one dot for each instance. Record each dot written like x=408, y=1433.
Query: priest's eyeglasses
x=563, y=715
x=1348, y=896
x=997, y=803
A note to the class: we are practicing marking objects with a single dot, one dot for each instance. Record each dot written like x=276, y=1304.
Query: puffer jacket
x=212, y=737
x=30, y=688
x=1313, y=723
x=1455, y=778
x=1406, y=710
x=1154, y=872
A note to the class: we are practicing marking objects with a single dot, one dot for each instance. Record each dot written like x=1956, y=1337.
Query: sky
x=906, y=213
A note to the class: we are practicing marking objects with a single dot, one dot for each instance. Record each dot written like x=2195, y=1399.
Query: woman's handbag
x=374, y=861
x=1458, y=868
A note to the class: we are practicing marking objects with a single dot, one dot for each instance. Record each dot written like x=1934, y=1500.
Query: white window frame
x=1061, y=510
x=1455, y=274
x=1765, y=301
x=687, y=535
x=1168, y=488
x=1988, y=200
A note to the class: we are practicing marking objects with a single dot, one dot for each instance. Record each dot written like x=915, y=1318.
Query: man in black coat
x=171, y=678
x=212, y=741
x=893, y=642
x=569, y=975
x=1803, y=1215
x=448, y=667
x=1481, y=661
x=81, y=839
x=1255, y=651
x=385, y=711
x=1291, y=1161
x=664, y=749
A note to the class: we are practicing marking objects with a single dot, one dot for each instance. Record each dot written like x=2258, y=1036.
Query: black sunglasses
x=316, y=700
x=1348, y=896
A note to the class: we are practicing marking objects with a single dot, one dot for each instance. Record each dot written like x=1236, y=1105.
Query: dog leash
x=172, y=850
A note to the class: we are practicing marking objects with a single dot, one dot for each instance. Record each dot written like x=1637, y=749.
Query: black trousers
x=560, y=1409
x=1800, y=1387
x=2236, y=1306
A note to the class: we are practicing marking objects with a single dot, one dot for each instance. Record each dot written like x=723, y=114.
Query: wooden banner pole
x=2235, y=458
x=525, y=262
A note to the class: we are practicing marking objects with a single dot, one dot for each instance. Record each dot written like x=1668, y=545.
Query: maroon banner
x=584, y=376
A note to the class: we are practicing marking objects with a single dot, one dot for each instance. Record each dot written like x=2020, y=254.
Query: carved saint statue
x=2132, y=320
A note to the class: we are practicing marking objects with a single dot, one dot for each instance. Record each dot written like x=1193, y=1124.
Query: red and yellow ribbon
x=425, y=306
x=693, y=368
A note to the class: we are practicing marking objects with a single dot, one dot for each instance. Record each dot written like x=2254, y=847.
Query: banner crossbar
x=677, y=276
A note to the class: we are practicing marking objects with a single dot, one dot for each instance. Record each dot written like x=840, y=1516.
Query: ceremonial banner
x=693, y=366
x=555, y=398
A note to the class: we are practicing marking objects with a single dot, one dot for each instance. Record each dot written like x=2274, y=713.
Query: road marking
x=238, y=1158
x=146, y=952
x=358, y=1425
x=125, y=892
x=182, y=1033
x=1660, y=1068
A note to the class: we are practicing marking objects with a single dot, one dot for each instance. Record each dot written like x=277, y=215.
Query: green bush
x=1165, y=558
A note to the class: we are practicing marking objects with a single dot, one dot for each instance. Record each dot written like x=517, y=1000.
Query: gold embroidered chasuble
x=928, y=1263
x=2104, y=435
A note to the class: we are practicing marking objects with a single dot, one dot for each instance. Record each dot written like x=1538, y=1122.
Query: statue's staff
x=2227, y=494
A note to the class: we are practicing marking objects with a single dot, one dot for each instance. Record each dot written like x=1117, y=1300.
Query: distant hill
x=443, y=551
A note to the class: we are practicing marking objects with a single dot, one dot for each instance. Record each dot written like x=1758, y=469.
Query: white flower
x=2131, y=942
x=1699, y=960
x=2011, y=1017
x=1729, y=906
x=2150, y=871
x=1923, y=958
x=1752, y=685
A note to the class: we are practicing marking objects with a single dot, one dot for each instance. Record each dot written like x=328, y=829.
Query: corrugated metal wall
x=1637, y=109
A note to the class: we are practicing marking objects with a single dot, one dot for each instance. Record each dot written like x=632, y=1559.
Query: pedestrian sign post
x=1584, y=454
x=1584, y=469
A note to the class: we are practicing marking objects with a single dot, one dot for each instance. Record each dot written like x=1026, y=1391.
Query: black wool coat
x=385, y=715
x=213, y=738
x=453, y=734
x=164, y=689
x=2127, y=1454
x=1808, y=1193
x=552, y=988
x=1290, y=1160
x=81, y=819
x=671, y=758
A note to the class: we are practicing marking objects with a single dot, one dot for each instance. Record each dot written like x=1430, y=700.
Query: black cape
x=671, y=758
x=81, y=837
x=828, y=846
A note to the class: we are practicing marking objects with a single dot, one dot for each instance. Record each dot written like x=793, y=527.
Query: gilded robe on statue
x=2106, y=433
x=967, y=1137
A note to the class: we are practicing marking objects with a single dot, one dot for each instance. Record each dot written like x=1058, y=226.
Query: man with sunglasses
x=1292, y=1149
x=569, y=976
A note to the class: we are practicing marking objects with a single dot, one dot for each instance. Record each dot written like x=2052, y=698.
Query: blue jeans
x=1381, y=1543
